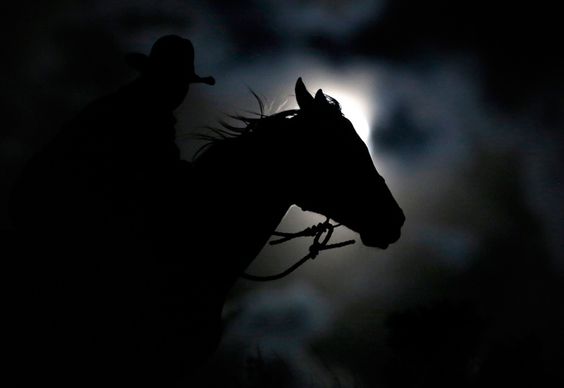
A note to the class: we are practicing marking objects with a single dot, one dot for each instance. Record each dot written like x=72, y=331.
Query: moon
x=354, y=109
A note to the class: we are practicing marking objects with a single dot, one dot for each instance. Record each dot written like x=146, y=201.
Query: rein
x=321, y=234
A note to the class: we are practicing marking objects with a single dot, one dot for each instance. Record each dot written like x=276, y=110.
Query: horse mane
x=252, y=124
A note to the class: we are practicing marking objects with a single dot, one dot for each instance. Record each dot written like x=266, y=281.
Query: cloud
x=270, y=334
x=299, y=20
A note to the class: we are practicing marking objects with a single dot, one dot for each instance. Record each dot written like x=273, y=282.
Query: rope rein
x=321, y=234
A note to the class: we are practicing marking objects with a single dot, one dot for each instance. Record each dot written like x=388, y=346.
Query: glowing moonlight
x=354, y=110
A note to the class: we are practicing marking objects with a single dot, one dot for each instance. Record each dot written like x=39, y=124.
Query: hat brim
x=140, y=62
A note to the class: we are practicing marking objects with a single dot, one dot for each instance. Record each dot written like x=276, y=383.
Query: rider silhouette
x=98, y=227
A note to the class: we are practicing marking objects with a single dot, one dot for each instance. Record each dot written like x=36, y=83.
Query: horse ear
x=305, y=100
x=320, y=98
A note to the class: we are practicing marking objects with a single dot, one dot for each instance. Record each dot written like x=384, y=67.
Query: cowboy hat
x=169, y=54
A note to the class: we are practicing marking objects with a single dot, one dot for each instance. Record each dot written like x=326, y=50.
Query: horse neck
x=243, y=196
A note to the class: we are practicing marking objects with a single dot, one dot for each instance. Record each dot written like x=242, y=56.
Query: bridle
x=321, y=234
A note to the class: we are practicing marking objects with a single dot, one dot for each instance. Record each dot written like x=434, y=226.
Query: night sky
x=464, y=104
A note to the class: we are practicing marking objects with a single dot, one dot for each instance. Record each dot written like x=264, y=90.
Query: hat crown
x=171, y=52
x=172, y=57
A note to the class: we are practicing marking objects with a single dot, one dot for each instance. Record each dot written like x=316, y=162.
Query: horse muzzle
x=384, y=236
x=380, y=240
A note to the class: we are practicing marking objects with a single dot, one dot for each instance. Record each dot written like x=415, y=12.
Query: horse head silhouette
x=344, y=184
x=311, y=157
